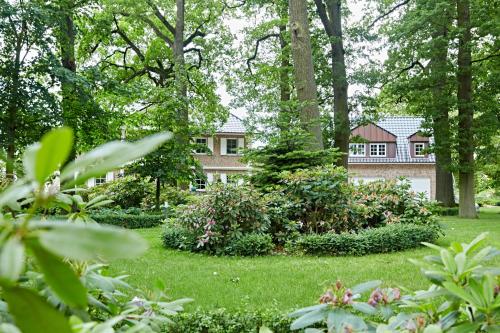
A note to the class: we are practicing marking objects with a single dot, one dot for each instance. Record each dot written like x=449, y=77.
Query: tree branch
x=487, y=57
x=327, y=23
x=393, y=9
x=157, y=31
x=162, y=18
x=200, y=57
x=256, y=50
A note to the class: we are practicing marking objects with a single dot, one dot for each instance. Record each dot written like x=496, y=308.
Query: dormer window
x=357, y=150
x=378, y=149
x=419, y=149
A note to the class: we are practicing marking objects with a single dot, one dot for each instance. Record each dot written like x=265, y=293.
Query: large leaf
x=53, y=152
x=92, y=241
x=365, y=286
x=309, y=319
x=13, y=193
x=12, y=260
x=108, y=157
x=60, y=277
x=32, y=314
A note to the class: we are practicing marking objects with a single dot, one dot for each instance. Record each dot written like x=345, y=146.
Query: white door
x=421, y=185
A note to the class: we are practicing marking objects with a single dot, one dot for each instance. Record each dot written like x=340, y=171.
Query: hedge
x=128, y=220
x=252, y=244
x=222, y=321
x=447, y=211
x=391, y=238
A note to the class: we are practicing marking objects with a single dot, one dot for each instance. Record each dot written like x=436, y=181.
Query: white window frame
x=227, y=147
x=378, y=145
x=420, y=144
x=100, y=180
x=200, y=182
x=357, y=147
x=196, y=152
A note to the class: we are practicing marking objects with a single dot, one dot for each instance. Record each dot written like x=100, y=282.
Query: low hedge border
x=391, y=238
x=223, y=321
x=252, y=244
x=129, y=221
x=447, y=211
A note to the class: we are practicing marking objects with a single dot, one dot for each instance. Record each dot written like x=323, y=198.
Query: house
x=220, y=154
x=391, y=148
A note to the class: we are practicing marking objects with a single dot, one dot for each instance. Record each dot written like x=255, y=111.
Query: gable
x=418, y=137
x=373, y=133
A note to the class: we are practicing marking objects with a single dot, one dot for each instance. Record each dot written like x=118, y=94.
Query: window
x=378, y=149
x=419, y=149
x=100, y=180
x=357, y=149
x=200, y=184
x=201, y=146
x=232, y=146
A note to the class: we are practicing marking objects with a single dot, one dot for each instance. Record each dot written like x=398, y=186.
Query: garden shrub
x=169, y=194
x=127, y=191
x=392, y=201
x=252, y=244
x=446, y=211
x=225, y=213
x=391, y=238
x=223, y=321
x=280, y=210
x=322, y=199
x=128, y=221
x=179, y=239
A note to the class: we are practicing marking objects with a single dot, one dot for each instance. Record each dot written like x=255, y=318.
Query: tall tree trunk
x=284, y=116
x=180, y=70
x=304, y=72
x=465, y=113
x=13, y=107
x=440, y=114
x=157, y=193
x=331, y=17
x=70, y=106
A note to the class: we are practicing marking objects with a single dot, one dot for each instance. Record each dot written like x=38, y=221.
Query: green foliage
x=223, y=321
x=280, y=210
x=179, y=239
x=52, y=287
x=446, y=211
x=224, y=213
x=252, y=244
x=286, y=152
x=129, y=221
x=463, y=297
x=390, y=238
x=128, y=191
x=172, y=195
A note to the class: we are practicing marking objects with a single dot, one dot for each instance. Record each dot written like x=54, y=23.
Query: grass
x=283, y=282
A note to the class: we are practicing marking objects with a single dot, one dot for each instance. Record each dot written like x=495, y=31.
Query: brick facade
x=392, y=171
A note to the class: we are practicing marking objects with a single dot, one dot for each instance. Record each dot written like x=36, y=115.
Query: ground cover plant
x=51, y=273
x=313, y=211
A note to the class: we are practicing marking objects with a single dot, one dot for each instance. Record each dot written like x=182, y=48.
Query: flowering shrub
x=463, y=297
x=225, y=213
x=392, y=201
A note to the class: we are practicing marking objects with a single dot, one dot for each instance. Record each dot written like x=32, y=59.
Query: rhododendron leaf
x=365, y=286
x=364, y=307
x=12, y=259
x=309, y=318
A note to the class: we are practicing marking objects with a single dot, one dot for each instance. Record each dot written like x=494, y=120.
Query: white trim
x=210, y=177
x=378, y=144
x=223, y=178
x=210, y=143
x=223, y=146
x=110, y=176
x=415, y=149
x=357, y=144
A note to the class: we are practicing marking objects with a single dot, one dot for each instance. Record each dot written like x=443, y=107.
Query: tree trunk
x=331, y=17
x=304, y=72
x=69, y=104
x=13, y=107
x=465, y=113
x=440, y=114
x=157, y=193
x=180, y=71
x=285, y=89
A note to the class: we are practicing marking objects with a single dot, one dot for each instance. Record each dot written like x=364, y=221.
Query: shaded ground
x=279, y=281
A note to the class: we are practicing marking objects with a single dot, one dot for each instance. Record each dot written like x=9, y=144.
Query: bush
x=128, y=191
x=392, y=201
x=390, y=238
x=128, y=221
x=280, y=210
x=225, y=213
x=172, y=195
x=253, y=244
x=179, y=239
x=222, y=321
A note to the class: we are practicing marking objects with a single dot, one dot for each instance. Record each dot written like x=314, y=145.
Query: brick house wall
x=392, y=171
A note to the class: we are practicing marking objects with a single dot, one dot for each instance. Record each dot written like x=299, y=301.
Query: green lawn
x=280, y=281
